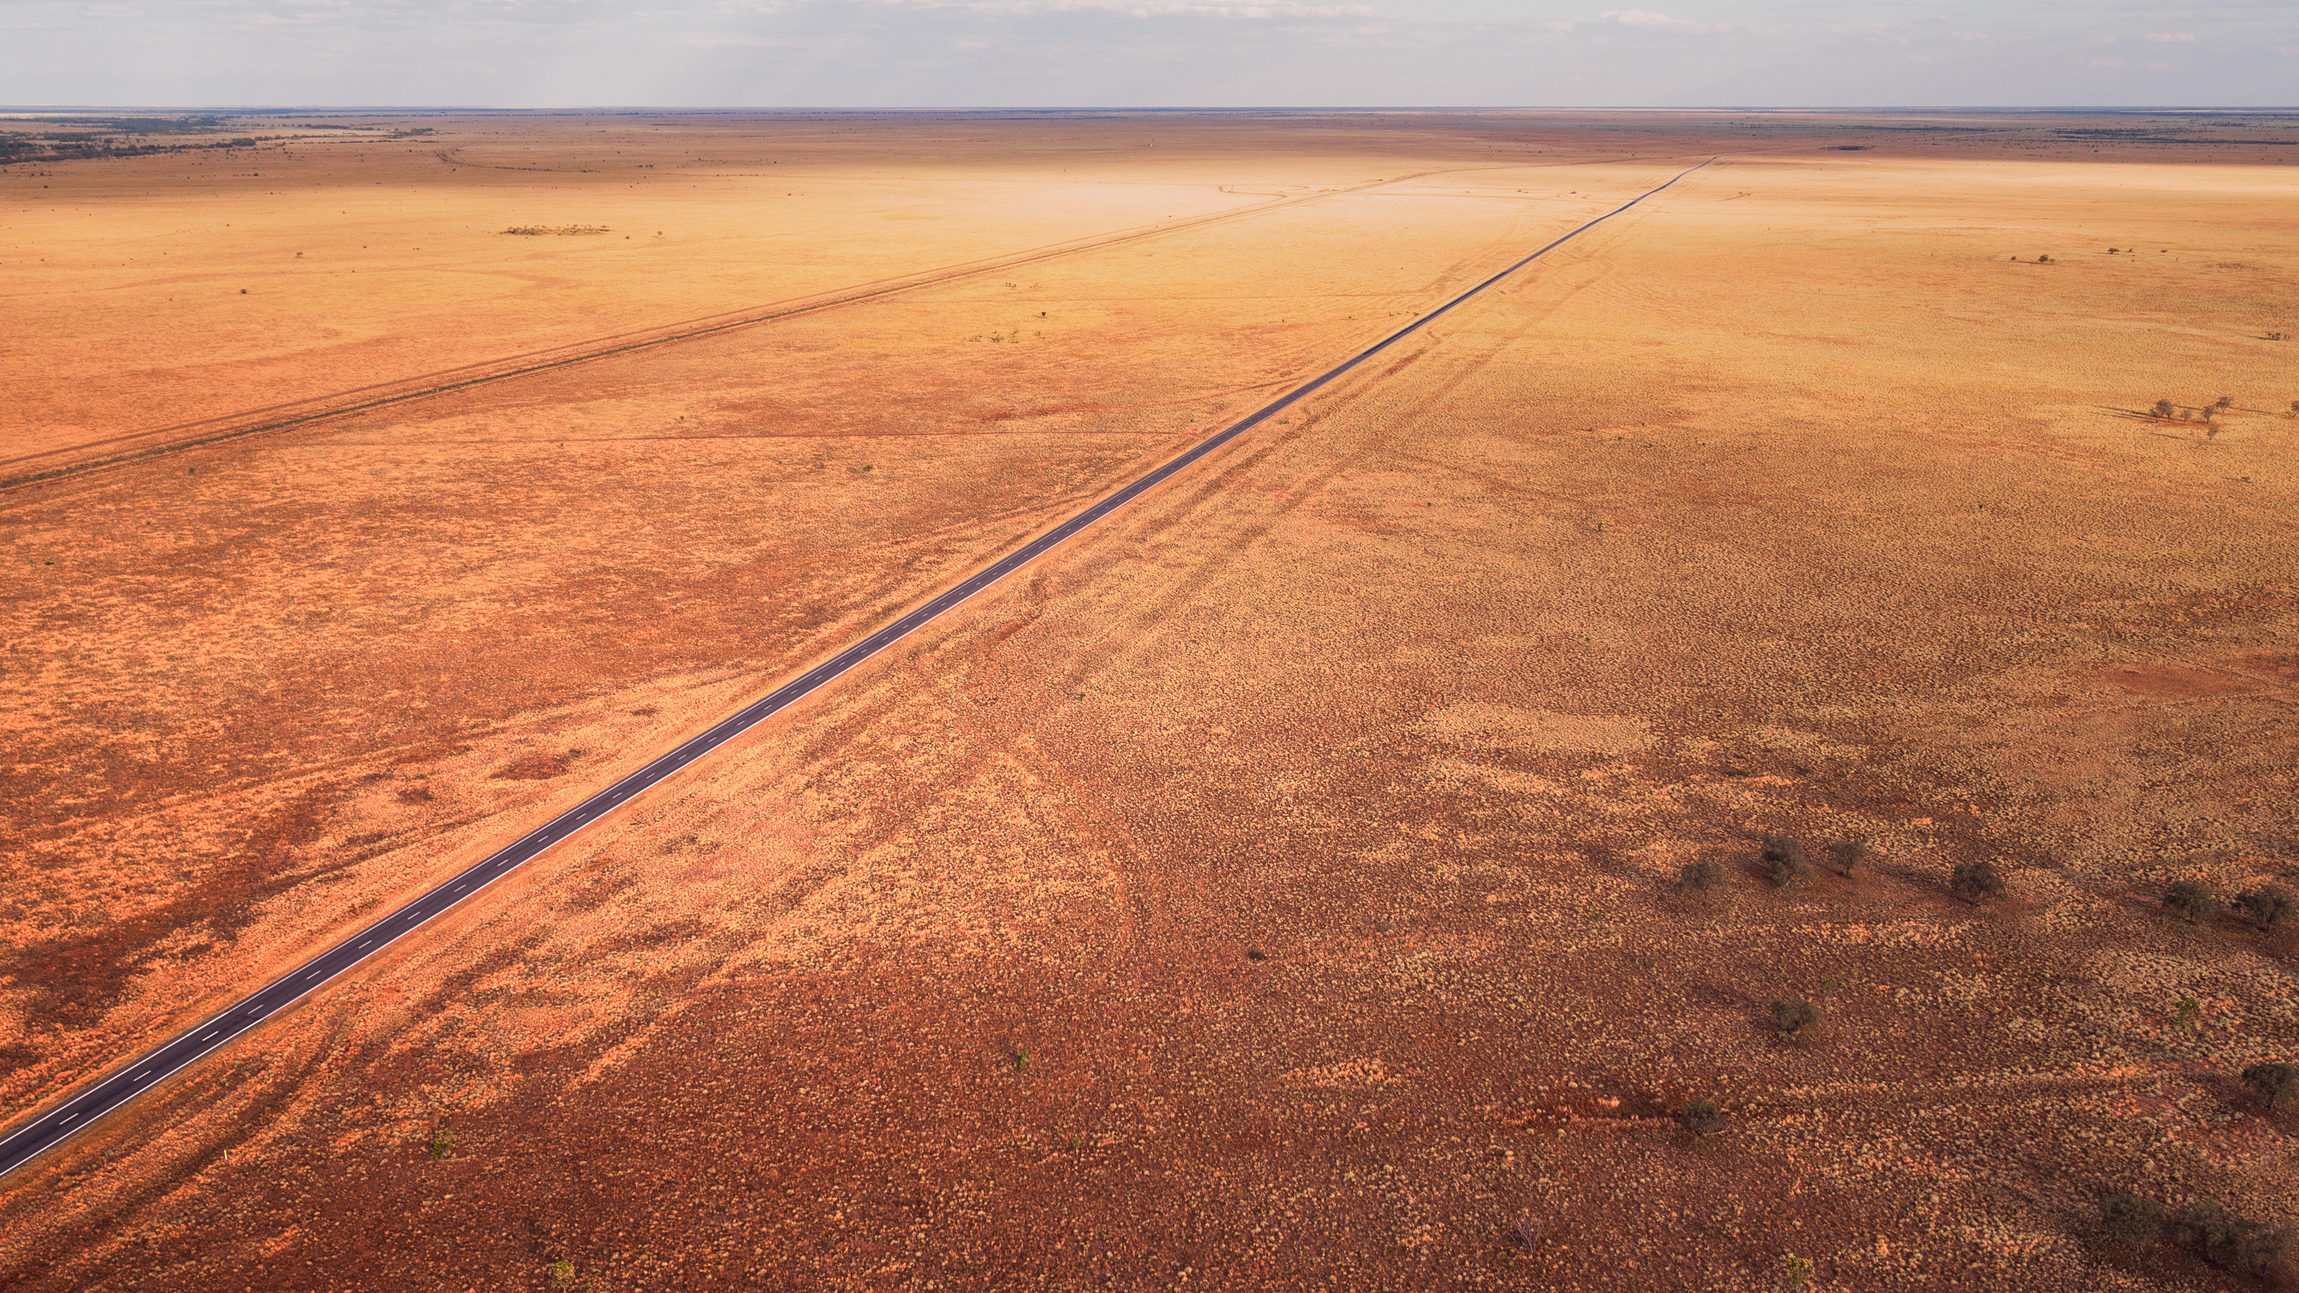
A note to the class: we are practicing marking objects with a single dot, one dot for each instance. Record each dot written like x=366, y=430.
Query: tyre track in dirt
x=177, y=437
x=124, y=1084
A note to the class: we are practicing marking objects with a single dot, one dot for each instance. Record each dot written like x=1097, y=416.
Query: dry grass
x=1789, y=506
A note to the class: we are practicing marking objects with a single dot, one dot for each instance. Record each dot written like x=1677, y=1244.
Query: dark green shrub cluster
x=2132, y=1220
x=2266, y=906
x=2251, y=1249
x=2239, y=1244
x=1701, y=1119
x=2271, y=1081
x=1976, y=881
x=1796, y=1019
x=2189, y=900
x=1784, y=860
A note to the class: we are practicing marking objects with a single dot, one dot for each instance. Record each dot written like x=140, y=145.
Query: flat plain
x=1276, y=887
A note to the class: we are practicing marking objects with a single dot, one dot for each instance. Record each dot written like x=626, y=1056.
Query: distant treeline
x=72, y=139
x=18, y=147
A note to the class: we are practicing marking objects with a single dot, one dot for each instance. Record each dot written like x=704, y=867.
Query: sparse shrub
x=1526, y=1233
x=2224, y=402
x=2295, y=408
x=2188, y=1013
x=442, y=1143
x=2190, y=900
x=1698, y=877
x=562, y=1271
x=2165, y=408
x=2131, y=1220
x=1848, y=855
x=2207, y=412
x=1796, y=1019
x=2044, y=259
x=2266, y=906
x=1784, y=861
x=1976, y=881
x=1795, y=1272
x=2246, y=1247
x=2271, y=1081
x=1702, y=1119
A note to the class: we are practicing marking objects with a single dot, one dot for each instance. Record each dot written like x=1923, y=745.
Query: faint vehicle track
x=179, y=436
x=92, y=1102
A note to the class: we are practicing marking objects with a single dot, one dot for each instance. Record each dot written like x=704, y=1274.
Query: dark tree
x=1702, y=1119
x=2224, y=402
x=2189, y=899
x=2271, y=1081
x=1796, y=1018
x=1848, y=855
x=2165, y=408
x=1976, y=881
x=1784, y=860
x=1698, y=877
x=2132, y=1220
x=2246, y=1247
x=2267, y=906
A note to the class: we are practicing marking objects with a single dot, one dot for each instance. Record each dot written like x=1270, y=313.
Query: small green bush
x=2131, y=1220
x=2271, y=1081
x=442, y=1143
x=1702, y=1119
x=2249, y=1248
x=2266, y=906
x=1698, y=877
x=1784, y=860
x=1976, y=881
x=2190, y=900
x=1796, y=1018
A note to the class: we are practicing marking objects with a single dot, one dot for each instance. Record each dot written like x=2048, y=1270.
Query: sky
x=1150, y=53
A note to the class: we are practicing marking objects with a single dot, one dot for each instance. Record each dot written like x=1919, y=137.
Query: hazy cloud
x=1238, y=9
x=1661, y=21
x=1180, y=53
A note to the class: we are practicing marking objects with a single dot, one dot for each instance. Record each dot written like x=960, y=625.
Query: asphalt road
x=92, y=1102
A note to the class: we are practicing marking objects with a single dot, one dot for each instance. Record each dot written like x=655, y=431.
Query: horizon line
x=11, y=108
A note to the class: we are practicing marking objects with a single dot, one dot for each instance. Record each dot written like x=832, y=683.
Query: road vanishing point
x=94, y=1101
